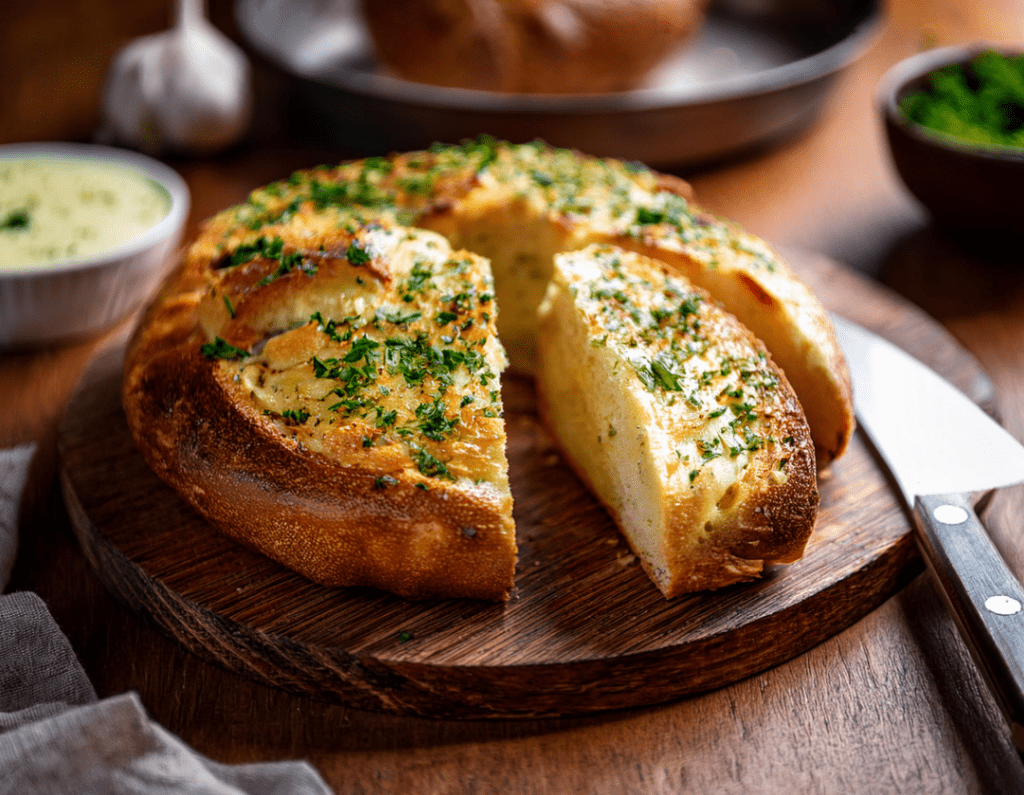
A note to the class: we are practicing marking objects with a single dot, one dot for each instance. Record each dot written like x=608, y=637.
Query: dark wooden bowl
x=969, y=188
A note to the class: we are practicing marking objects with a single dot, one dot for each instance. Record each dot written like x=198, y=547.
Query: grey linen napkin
x=57, y=737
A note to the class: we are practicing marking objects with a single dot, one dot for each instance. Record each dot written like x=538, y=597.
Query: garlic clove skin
x=187, y=90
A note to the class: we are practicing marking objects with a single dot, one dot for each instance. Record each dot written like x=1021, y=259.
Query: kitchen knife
x=941, y=448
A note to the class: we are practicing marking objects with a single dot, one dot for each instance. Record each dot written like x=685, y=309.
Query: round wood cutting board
x=585, y=630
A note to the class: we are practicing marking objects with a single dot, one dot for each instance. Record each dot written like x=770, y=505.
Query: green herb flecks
x=220, y=349
x=429, y=465
x=434, y=424
x=270, y=248
x=16, y=220
x=397, y=318
x=419, y=279
x=356, y=254
x=296, y=415
x=329, y=327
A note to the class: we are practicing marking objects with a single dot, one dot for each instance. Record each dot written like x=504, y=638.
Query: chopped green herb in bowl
x=981, y=101
x=954, y=120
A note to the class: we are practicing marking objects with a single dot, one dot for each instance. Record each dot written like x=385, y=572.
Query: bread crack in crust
x=689, y=434
x=320, y=376
x=338, y=407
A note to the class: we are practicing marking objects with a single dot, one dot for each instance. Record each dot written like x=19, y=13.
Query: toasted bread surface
x=677, y=418
x=341, y=414
x=519, y=205
x=349, y=350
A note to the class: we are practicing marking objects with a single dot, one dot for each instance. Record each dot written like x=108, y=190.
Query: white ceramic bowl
x=84, y=296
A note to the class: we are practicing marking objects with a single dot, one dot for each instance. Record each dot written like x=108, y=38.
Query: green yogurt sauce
x=54, y=210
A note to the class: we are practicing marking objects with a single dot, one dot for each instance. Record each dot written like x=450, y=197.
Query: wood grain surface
x=546, y=652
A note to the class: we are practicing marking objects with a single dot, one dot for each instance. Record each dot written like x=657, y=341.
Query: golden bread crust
x=291, y=449
x=530, y=46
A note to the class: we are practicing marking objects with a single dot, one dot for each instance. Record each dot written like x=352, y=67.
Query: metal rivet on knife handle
x=1002, y=605
x=950, y=514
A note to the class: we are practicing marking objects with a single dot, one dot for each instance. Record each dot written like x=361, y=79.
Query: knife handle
x=983, y=595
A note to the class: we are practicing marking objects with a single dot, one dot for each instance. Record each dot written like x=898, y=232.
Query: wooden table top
x=892, y=704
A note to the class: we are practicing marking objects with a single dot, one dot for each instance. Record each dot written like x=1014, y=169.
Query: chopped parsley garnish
x=666, y=378
x=220, y=349
x=386, y=419
x=270, y=248
x=429, y=465
x=362, y=348
x=645, y=216
x=15, y=220
x=328, y=327
x=297, y=415
x=397, y=318
x=433, y=422
x=356, y=255
x=419, y=278
x=418, y=184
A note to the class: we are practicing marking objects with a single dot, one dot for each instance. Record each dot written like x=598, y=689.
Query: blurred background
x=55, y=55
x=825, y=182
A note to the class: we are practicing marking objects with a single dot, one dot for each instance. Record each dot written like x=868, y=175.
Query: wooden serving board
x=585, y=631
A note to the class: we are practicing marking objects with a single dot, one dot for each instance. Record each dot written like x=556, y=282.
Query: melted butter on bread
x=366, y=357
x=337, y=406
x=519, y=205
x=320, y=376
x=689, y=434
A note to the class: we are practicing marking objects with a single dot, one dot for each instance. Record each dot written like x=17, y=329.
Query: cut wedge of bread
x=332, y=399
x=677, y=419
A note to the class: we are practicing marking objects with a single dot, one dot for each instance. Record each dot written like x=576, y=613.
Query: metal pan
x=755, y=74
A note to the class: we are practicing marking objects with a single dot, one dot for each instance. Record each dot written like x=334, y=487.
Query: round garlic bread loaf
x=677, y=419
x=320, y=376
x=530, y=46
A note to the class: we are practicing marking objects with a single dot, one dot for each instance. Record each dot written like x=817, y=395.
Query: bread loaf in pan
x=530, y=46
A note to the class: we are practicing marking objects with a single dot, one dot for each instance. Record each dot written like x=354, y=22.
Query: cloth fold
x=14, y=466
x=56, y=737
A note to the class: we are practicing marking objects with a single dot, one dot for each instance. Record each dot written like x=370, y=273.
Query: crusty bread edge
x=419, y=537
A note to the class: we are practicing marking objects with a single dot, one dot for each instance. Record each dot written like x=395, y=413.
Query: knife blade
x=941, y=448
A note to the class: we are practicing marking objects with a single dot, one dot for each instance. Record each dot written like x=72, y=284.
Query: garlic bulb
x=186, y=90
